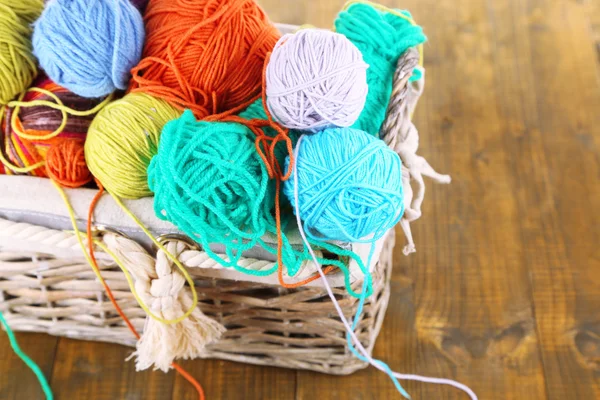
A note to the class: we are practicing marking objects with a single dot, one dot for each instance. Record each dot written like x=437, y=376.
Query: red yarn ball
x=65, y=163
x=204, y=55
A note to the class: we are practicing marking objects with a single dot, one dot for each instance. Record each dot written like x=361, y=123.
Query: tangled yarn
x=89, y=46
x=18, y=63
x=65, y=163
x=256, y=111
x=204, y=55
x=349, y=186
x=382, y=38
x=122, y=140
x=209, y=180
x=44, y=115
x=316, y=79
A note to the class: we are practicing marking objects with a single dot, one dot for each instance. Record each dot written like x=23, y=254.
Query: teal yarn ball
x=210, y=182
x=382, y=38
x=349, y=185
x=89, y=46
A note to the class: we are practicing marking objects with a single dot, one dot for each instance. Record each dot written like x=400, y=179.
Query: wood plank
x=592, y=11
x=17, y=381
x=472, y=293
x=89, y=370
x=560, y=198
x=231, y=380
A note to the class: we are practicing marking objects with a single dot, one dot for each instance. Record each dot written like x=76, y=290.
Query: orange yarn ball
x=205, y=55
x=65, y=163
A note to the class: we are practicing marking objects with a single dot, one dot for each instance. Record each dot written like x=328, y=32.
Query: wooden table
x=504, y=291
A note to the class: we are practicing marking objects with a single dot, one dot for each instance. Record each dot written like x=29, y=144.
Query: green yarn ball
x=209, y=180
x=19, y=66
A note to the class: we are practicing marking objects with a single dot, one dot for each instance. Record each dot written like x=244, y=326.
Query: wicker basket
x=46, y=285
x=266, y=324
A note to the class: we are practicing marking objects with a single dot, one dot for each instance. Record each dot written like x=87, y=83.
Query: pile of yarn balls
x=208, y=57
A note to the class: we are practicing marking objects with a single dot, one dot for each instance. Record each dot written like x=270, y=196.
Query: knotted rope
x=161, y=288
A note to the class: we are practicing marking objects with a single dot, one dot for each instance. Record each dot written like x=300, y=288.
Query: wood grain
x=87, y=370
x=16, y=380
x=504, y=292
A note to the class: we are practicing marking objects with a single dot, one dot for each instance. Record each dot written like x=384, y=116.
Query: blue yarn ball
x=89, y=46
x=349, y=185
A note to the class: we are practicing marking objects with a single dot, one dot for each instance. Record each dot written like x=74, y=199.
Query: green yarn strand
x=26, y=359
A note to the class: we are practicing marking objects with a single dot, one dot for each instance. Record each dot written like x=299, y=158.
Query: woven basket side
x=266, y=324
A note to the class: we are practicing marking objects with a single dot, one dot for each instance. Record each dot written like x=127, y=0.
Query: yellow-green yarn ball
x=18, y=66
x=122, y=140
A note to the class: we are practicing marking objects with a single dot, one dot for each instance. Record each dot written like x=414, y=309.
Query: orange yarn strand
x=204, y=55
x=110, y=295
x=265, y=146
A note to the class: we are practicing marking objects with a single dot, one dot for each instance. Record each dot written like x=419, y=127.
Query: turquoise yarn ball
x=209, y=181
x=89, y=46
x=349, y=185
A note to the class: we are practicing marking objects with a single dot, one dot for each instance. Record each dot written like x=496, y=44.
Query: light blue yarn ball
x=349, y=185
x=89, y=46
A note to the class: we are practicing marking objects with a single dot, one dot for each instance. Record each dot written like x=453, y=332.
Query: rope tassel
x=160, y=286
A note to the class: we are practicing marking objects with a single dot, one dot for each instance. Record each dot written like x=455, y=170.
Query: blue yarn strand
x=377, y=234
x=26, y=359
x=359, y=311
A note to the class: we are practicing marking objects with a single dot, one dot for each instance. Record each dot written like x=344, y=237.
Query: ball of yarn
x=204, y=55
x=65, y=163
x=89, y=46
x=316, y=79
x=18, y=63
x=349, y=185
x=209, y=181
x=382, y=38
x=122, y=140
x=38, y=121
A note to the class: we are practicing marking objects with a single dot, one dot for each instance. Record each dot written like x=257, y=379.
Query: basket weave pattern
x=266, y=324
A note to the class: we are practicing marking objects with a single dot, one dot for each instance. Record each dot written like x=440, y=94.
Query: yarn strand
x=91, y=259
x=174, y=259
x=10, y=165
x=4, y=160
x=26, y=359
x=59, y=105
x=350, y=329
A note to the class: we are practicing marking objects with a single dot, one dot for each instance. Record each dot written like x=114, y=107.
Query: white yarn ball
x=316, y=79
